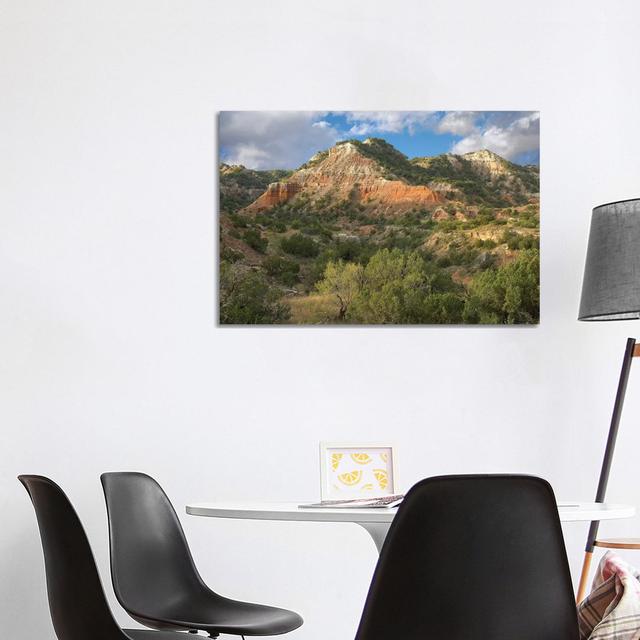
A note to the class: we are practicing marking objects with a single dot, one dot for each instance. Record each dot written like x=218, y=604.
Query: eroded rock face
x=342, y=174
x=276, y=193
x=487, y=163
x=395, y=193
x=445, y=189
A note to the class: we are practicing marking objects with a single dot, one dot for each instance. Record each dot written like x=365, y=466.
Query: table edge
x=589, y=513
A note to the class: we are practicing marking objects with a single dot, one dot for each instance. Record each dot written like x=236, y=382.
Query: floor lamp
x=611, y=291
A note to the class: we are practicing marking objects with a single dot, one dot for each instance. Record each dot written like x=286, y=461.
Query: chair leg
x=584, y=577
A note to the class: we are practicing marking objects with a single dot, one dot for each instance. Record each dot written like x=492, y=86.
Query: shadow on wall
x=23, y=586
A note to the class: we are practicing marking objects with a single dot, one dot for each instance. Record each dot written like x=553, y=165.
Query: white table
x=377, y=521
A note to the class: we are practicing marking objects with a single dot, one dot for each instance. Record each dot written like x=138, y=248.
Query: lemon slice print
x=335, y=460
x=382, y=477
x=350, y=478
x=361, y=458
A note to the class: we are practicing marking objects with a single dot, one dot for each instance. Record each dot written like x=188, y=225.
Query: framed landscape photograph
x=356, y=471
x=375, y=218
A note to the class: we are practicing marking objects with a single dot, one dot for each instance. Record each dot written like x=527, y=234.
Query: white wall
x=109, y=354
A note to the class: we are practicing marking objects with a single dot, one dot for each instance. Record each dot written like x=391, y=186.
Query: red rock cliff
x=344, y=173
x=276, y=193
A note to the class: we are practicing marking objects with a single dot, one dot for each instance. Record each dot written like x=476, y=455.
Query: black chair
x=473, y=558
x=78, y=606
x=154, y=576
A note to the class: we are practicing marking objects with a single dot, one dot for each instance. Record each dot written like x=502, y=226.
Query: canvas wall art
x=375, y=218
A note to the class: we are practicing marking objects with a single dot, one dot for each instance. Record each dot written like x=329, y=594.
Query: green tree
x=344, y=281
x=247, y=298
x=395, y=286
x=508, y=295
x=440, y=308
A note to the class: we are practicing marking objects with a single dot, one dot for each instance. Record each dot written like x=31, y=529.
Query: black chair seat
x=215, y=614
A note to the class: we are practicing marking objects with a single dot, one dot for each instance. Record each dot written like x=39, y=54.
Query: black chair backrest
x=150, y=559
x=79, y=609
x=473, y=558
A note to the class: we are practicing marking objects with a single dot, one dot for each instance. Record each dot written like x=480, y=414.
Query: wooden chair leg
x=584, y=576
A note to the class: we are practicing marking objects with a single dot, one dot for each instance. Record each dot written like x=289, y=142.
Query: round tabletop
x=290, y=511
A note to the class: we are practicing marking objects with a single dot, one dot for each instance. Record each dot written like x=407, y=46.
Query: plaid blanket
x=612, y=610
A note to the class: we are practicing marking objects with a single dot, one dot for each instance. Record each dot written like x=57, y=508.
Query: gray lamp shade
x=611, y=285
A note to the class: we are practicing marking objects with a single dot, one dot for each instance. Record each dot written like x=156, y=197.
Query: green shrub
x=255, y=240
x=407, y=240
x=238, y=220
x=516, y=241
x=485, y=244
x=508, y=295
x=286, y=271
x=450, y=225
x=463, y=256
x=247, y=298
x=485, y=216
x=299, y=245
x=230, y=255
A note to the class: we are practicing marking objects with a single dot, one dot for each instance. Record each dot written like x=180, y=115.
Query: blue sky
x=419, y=141
x=287, y=139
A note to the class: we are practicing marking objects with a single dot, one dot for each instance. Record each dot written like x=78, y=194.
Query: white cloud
x=273, y=139
x=369, y=122
x=362, y=129
x=510, y=135
x=459, y=123
x=249, y=155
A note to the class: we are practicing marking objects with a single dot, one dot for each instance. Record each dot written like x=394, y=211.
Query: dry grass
x=313, y=309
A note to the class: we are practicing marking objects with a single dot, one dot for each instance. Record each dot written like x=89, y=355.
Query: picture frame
x=296, y=185
x=351, y=470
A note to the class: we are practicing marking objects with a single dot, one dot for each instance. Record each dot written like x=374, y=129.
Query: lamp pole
x=632, y=350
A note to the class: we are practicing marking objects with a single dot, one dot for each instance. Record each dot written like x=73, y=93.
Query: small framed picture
x=356, y=471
